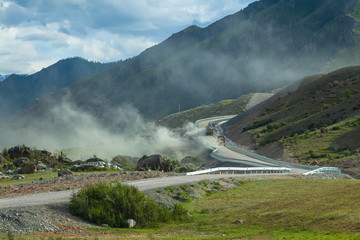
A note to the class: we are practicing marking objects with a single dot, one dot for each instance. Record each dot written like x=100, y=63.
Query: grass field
x=342, y=137
x=270, y=209
x=29, y=178
x=279, y=209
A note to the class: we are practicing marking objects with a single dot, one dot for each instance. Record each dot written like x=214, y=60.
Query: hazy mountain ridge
x=17, y=91
x=3, y=77
x=225, y=107
x=267, y=45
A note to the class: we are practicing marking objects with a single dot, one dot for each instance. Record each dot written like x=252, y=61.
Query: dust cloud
x=81, y=135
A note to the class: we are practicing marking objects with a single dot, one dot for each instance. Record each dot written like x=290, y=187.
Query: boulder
x=21, y=161
x=77, y=162
x=41, y=167
x=96, y=161
x=4, y=177
x=29, y=168
x=153, y=162
x=18, y=177
x=63, y=173
x=19, y=151
x=131, y=223
x=188, y=168
x=13, y=172
x=2, y=159
x=47, y=161
x=45, y=154
x=113, y=166
x=64, y=160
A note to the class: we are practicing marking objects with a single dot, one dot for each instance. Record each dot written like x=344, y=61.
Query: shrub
x=170, y=165
x=179, y=213
x=312, y=154
x=169, y=188
x=257, y=124
x=114, y=203
x=5, y=154
x=203, y=182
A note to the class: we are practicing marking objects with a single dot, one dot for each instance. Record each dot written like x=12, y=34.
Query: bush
x=5, y=154
x=179, y=213
x=257, y=124
x=114, y=203
x=170, y=165
x=203, y=182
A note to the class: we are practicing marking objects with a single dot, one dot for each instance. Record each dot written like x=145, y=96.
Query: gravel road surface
x=64, y=196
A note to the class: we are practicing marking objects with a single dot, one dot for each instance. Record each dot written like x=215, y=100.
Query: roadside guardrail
x=232, y=146
x=238, y=170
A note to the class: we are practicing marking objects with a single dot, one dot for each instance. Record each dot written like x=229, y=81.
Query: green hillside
x=318, y=123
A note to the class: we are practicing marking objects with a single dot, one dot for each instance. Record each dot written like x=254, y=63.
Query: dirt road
x=144, y=184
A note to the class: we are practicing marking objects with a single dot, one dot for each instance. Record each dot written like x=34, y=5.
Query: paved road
x=142, y=185
x=223, y=152
x=227, y=155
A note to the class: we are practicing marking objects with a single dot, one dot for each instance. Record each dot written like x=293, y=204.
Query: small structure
x=209, y=130
x=221, y=139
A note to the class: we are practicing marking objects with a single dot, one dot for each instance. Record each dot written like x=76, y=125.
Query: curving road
x=225, y=154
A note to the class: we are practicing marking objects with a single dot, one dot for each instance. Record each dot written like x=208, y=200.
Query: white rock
x=131, y=223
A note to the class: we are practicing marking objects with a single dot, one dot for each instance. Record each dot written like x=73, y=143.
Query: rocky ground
x=76, y=181
x=50, y=218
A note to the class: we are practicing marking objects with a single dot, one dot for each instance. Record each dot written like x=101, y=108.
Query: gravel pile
x=46, y=218
x=25, y=222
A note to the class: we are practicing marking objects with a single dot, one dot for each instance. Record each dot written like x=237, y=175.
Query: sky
x=37, y=33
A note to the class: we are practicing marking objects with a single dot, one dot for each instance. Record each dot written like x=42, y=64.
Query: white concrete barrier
x=333, y=170
x=251, y=170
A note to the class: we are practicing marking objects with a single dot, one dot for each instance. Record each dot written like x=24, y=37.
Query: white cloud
x=35, y=33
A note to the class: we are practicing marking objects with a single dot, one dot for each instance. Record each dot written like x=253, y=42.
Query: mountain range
x=269, y=44
x=3, y=77
x=18, y=91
